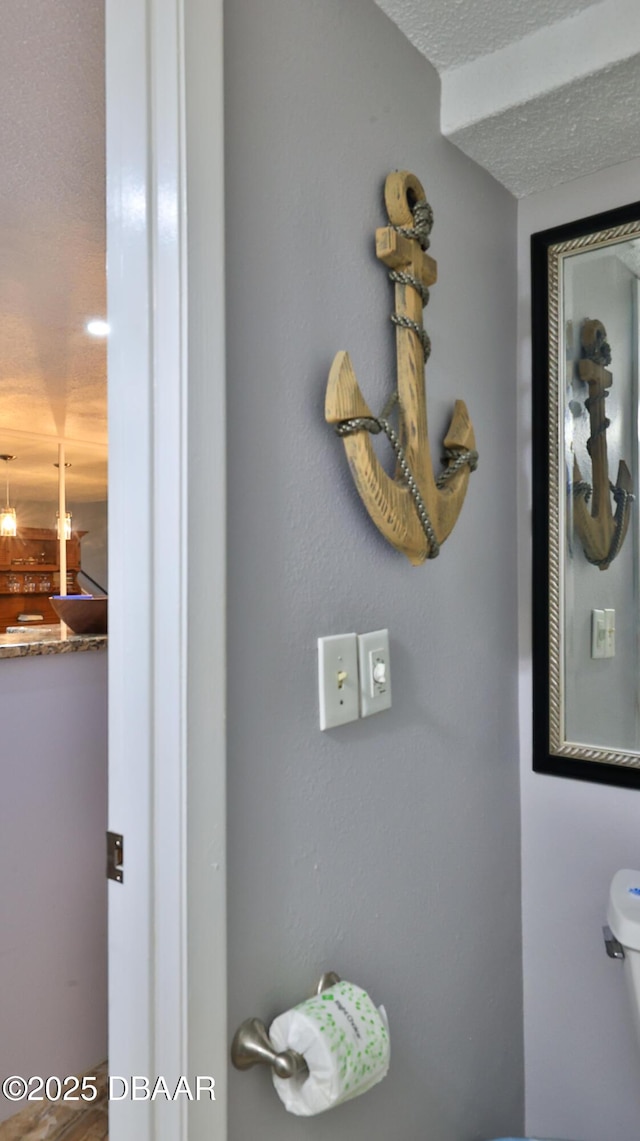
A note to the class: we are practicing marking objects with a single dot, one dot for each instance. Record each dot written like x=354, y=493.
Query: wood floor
x=62, y=1121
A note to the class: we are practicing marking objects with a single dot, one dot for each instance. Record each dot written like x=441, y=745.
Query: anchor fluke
x=343, y=399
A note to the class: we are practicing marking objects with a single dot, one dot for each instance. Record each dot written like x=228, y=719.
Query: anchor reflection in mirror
x=586, y=290
x=601, y=533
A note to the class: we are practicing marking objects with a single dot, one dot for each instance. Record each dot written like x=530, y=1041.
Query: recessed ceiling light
x=98, y=327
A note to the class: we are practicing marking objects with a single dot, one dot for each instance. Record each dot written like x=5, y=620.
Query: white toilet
x=622, y=938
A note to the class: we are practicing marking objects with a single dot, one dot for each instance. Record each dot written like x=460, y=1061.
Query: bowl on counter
x=82, y=613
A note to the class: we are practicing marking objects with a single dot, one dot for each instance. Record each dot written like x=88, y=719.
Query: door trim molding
x=167, y=631
x=207, y=496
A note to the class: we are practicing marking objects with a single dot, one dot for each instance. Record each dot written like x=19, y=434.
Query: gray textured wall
x=53, y=891
x=92, y=518
x=388, y=849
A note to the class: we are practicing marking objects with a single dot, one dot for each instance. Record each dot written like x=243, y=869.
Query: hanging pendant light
x=8, y=521
x=67, y=515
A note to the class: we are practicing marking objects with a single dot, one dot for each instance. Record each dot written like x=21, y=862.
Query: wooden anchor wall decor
x=601, y=534
x=414, y=510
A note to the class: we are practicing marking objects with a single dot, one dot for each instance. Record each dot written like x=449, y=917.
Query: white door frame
x=167, y=989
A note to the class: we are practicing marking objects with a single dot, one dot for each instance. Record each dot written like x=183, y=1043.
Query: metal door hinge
x=115, y=852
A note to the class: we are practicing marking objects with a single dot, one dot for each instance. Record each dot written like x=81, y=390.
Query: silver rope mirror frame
x=586, y=547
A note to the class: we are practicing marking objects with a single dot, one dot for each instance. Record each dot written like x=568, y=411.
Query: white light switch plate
x=338, y=680
x=603, y=633
x=375, y=672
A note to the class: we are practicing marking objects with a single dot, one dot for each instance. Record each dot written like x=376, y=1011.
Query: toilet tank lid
x=623, y=913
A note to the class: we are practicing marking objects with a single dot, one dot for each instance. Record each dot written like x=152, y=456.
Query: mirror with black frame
x=586, y=557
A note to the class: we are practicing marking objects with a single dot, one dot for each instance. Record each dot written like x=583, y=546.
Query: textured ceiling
x=532, y=146
x=539, y=92
x=450, y=33
x=52, y=220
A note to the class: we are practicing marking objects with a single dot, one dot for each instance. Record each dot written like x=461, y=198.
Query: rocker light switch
x=610, y=633
x=375, y=677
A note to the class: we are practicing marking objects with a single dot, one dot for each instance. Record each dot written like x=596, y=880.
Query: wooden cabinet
x=30, y=572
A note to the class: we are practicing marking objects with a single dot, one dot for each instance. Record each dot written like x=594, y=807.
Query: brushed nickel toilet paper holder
x=252, y=1046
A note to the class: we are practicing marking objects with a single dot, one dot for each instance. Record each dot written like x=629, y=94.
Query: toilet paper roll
x=344, y=1040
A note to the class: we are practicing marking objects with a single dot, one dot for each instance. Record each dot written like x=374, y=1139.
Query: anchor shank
x=599, y=380
x=399, y=252
x=412, y=388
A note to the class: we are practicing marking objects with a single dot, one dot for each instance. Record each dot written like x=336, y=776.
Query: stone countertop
x=29, y=643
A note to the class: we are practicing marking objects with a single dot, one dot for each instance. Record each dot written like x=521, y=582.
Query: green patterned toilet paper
x=344, y=1039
